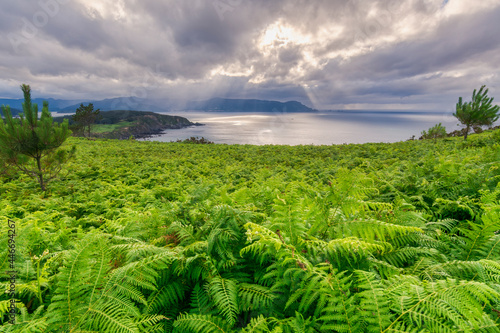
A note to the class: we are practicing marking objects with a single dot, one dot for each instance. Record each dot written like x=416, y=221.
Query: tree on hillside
x=435, y=132
x=32, y=145
x=85, y=117
x=478, y=112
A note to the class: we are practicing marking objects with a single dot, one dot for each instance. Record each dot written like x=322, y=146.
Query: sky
x=327, y=54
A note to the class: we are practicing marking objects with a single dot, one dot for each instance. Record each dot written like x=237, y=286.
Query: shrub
x=435, y=132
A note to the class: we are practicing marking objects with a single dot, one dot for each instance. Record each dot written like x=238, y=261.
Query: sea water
x=317, y=128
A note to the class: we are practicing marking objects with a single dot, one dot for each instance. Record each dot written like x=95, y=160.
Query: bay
x=318, y=128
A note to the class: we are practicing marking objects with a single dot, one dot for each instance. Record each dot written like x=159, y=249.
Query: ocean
x=318, y=128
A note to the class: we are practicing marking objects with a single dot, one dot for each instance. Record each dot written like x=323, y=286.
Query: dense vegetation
x=173, y=237
x=437, y=131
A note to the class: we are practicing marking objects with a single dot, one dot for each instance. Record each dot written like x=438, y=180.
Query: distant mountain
x=54, y=104
x=247, y=105
x=122, y=103
x=63, y=105
x=156, y=105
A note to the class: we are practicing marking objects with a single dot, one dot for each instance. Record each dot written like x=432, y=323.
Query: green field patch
x=107, y=128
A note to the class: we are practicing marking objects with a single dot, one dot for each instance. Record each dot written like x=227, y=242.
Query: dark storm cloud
x=416, y=67
x=73, y=30
x=322, y=52
x=453, y=44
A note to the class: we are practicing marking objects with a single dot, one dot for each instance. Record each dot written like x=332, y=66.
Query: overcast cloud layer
x=328, y=54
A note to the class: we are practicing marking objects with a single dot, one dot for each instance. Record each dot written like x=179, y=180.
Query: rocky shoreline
x=139, y=133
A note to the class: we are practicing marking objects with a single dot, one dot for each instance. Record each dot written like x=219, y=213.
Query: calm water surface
x=320, y=128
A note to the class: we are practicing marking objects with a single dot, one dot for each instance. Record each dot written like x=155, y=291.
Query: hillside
x=109, y=104
x=163, y=105
x=121, y=124
x=142, y=236
x=122, y=103
x=54, y=104
x=247, y=105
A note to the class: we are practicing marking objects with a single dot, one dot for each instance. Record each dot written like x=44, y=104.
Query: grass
x=106, y=128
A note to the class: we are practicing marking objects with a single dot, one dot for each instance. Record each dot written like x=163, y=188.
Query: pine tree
x=30, y=144
x=478, y=112
x=85, y=117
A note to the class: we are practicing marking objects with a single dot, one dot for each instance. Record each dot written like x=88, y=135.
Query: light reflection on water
x=320, y=128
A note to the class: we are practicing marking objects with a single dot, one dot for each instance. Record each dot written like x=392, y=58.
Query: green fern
x=254, y=297
x=441, y=306
x=200, y=323
x=224, y=293
x=200, y=301
x=35, y=322
x=374, y=305
x=89, y=296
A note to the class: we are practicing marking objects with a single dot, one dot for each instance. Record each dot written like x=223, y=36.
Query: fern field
x=172, y=237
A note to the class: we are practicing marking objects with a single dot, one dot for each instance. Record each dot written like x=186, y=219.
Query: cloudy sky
x=328, y=54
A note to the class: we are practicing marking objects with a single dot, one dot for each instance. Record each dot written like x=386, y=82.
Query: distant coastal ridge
x=142, y=104
x=247, y=105
x=210, y=105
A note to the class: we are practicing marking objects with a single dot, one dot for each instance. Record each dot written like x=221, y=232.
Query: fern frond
x=309, y=291
x=401, y=328
x=370, y=230
x=446, y=225
x=432, y=323
x=489, y=249
x=254, y=297
x=26, y=323
x=200, y=301
x=5, y=306
x=353, y=250
x=225, y=295
x=482, y=270
x=77, y=282
x=129, y=291
x=408, y=255
x=196, y=248
x=441, y=306
x=221, y=245
x=327, y=292
x=136, y=251
x=492, y=270
x=483, y=324
x=143, y=273
x=185, y=233
x=110, y=317
x=91, y=297
x=384, y=268
x=168, y=294
x=195, y=323
x=152, y=323
x=257, y=325
x=264, y=242
x=480, y=238
x=374, y=304
x=299, y=323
